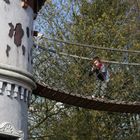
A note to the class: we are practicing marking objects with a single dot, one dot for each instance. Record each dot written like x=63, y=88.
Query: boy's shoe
x=102, y=96
x=93, y=96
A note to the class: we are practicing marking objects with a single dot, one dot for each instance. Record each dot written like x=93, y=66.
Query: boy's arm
x=91, y=72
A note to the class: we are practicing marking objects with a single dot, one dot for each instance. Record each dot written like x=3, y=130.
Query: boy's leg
x=103, y=89
x=97, y=89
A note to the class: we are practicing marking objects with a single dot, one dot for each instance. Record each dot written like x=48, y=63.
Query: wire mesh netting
x=66, y=67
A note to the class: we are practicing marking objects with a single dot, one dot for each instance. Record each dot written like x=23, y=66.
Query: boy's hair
x=95, y=58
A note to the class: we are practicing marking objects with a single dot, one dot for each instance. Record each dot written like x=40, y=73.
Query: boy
x=102, y=75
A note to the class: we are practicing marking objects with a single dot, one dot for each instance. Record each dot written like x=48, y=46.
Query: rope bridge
x=61, y=70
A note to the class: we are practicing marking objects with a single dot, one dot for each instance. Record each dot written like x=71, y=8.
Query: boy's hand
x=90, y=73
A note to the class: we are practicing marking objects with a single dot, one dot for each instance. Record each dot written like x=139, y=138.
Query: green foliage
x=103, y=23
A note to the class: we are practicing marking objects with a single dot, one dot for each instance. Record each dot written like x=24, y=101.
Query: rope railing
x=86, y=58
x=89, y=46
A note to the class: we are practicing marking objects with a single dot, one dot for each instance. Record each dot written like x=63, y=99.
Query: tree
x=101, y=23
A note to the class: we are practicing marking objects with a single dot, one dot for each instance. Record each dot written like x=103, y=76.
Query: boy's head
x=96, y=61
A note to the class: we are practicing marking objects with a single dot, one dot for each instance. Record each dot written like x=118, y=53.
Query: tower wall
x=16, y=82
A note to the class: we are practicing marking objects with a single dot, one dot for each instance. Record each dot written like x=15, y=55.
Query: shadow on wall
x=4, y=137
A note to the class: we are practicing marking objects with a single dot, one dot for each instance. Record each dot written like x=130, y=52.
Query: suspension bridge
x=63, y=76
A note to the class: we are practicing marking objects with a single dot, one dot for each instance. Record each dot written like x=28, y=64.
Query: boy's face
x=96, y=63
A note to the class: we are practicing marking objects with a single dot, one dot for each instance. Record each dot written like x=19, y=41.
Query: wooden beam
x=34, y=4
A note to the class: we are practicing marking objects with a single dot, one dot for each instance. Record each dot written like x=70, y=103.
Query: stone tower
x=16, y=81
